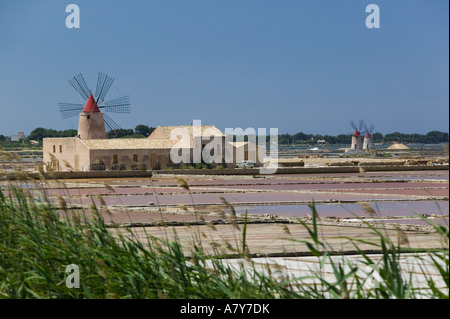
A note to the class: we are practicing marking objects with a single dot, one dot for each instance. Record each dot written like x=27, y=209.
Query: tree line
x=38, y=134
x=433, y=137
x=142, y=131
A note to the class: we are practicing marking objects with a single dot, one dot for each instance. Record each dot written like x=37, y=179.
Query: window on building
x=60, y=148
x=54, y=148
x=115, y=160
x=135, y=158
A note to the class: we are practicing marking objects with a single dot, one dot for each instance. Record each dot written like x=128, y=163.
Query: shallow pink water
x=383, y=209
x=275, y=195
x=337, y=186
x=207, y=199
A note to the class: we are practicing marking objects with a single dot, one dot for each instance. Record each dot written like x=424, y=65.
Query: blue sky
x=297, y=65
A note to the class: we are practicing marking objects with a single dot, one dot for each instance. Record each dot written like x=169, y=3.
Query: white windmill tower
x=368, y=137
x=357, y=140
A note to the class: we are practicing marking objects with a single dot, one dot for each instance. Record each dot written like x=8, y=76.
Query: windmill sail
x=110, y=125
x=361, y=125
x=104, y=82
x=80, y=86
x=70, y=109
x=92, y=108
x=358, y=129
x=119, y=105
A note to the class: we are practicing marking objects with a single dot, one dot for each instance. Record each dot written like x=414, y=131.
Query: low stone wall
x=302, y=170
x=78, y=175
x=99, y=174
x=382, y=163
x=346, y=163
x=254, y=171
x=291, y=163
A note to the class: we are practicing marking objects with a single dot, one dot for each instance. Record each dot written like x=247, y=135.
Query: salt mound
x=398, y=146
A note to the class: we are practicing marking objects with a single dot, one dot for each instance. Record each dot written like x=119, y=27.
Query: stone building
x=73, y=153
x=154, y=152
x=91, y=151
x=18, y=137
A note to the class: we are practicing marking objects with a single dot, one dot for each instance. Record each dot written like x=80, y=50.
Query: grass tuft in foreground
x=38, y=240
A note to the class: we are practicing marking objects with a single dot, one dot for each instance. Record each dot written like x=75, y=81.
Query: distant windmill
x=92, y=121
x=368, y=137
x=357, y=141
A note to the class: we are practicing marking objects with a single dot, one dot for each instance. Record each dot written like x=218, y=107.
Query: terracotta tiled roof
x=168, y=129
x=206, y=130
x=129, y=143
x=150, y=142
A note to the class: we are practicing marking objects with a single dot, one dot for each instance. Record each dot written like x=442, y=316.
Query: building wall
x=247, y=151
x=359, y=142
x=17, y=137
x=91, y=126
x=71, y=154
x=367, y=143
x=65, y=154
x=190, y=141
x=75, y=154
x=129, y=159
x=195, y=141
x=215, y=145
x=355, y=142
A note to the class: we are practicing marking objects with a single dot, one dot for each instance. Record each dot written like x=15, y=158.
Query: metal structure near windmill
x=367, y=144
x=93, y=124
x=357, y=139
